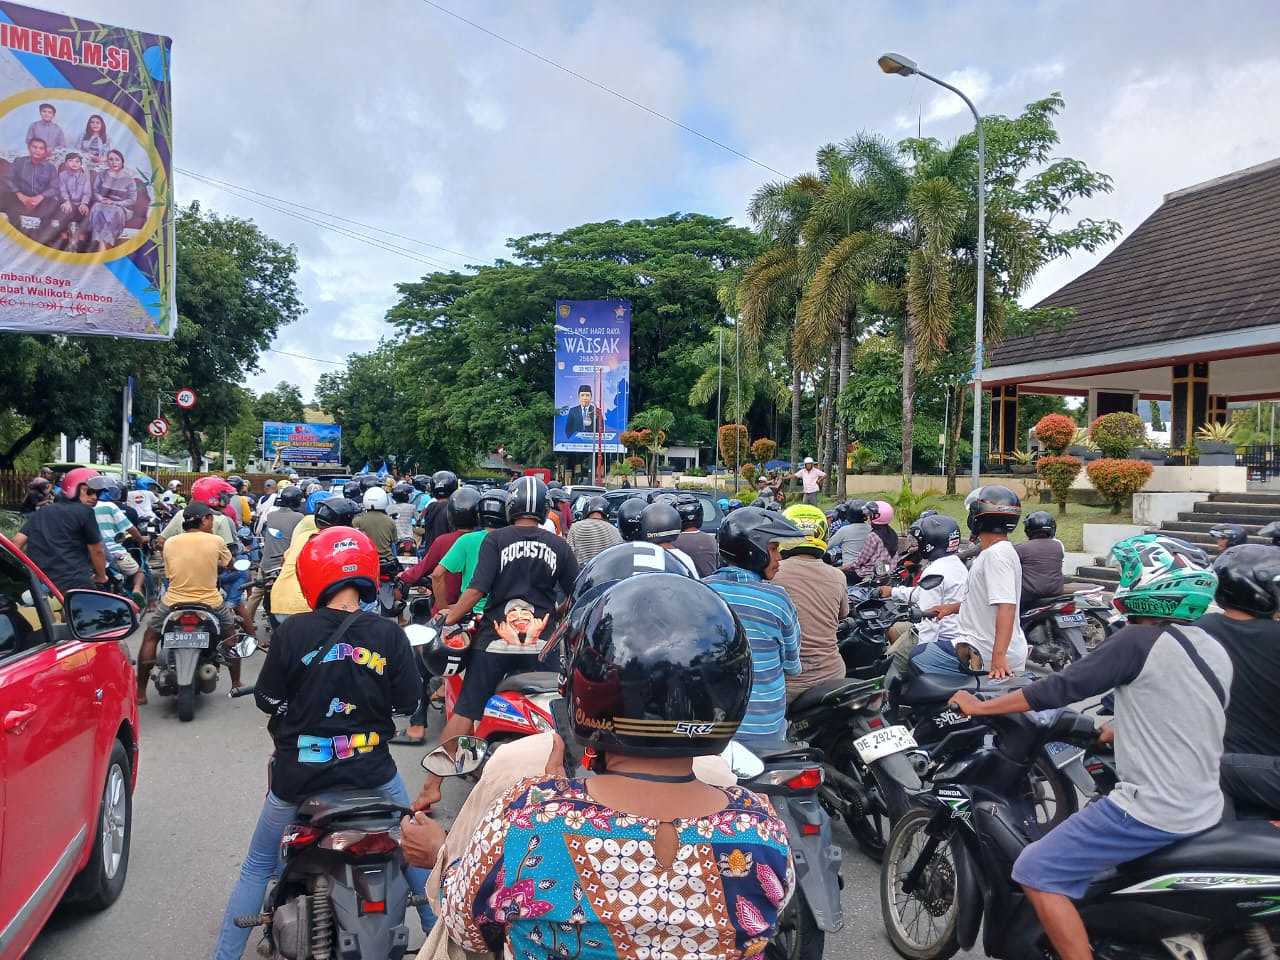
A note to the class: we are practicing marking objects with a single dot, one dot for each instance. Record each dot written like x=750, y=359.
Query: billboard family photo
x=86, y=198
x=592, y=377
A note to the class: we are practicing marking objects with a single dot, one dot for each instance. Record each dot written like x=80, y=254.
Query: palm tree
x=658, y=421
x=757, y=374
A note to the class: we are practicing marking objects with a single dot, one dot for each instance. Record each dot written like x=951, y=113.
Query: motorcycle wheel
x=187, y=702
x=920, y=925
x=1051, y=794
x=798, y=936
x=870, y=828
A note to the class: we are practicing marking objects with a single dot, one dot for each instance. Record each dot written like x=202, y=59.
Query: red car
x=68, y=748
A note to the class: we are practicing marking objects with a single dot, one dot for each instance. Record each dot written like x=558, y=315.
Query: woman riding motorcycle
x=657, y=674
x=313, y=704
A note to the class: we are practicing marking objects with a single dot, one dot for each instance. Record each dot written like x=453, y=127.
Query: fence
x=1262, y=461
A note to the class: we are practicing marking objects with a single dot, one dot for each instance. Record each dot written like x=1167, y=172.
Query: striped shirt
x=112, y=523
x=773, y=627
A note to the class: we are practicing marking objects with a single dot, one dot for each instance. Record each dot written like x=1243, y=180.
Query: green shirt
x=462, y=558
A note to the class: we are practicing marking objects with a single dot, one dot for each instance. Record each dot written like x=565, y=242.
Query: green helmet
x=1163, y=577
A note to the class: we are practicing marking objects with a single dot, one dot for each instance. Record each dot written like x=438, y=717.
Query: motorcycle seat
x=203, y=607
x=539, y=681
x=334, y=803
x=1231, y=846
x=932, y=687
x=828, y=691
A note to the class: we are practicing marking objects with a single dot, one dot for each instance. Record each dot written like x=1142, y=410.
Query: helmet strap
x=653, y=777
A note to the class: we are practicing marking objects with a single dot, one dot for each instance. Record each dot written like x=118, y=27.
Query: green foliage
x=908, y=505
x=622, y=468
x=1082, y=440
x=1118, y=479
x=747, y=495
x=1059, y=472
x=1157, y=425
x=1217, y=433
x=1055, y=431
x=749, y=472
x=653, y=424
x=282, y=404
x=1118, y=433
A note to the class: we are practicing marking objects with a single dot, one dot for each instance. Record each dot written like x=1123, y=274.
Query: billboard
x=593, y=368
x=301, y=442
x=86, y=196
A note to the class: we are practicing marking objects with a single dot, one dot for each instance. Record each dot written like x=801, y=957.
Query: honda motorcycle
x=947, y=870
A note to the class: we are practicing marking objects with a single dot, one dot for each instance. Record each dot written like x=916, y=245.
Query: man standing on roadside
x=63, y=538
x=811, y=478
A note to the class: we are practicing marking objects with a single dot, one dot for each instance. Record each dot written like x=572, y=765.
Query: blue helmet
x=145, y=482
x=315, y=498
x=723, y=503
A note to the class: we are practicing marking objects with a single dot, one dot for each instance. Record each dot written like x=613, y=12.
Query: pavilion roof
x=1206, y=261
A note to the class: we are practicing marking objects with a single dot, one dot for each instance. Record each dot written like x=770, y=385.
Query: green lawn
x=1069, y=526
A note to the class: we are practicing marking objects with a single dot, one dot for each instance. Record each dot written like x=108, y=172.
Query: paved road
x=199, y=793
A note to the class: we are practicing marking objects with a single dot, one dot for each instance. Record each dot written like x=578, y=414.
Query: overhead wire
x=303, y=356
x=607, y=89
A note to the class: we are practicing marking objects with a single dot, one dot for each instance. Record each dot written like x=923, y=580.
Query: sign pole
x=126, y=404
x=157, y=438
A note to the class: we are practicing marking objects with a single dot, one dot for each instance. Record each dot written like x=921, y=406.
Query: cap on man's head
x=195, y=511
x=808, y=461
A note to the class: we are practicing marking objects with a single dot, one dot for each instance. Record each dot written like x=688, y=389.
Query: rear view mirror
x=468, y=755
x=931, y=581
x=95, y=615
x=744, y=764
x=419, y=634
x=242, y=564
x=882, y=569
x=242, y=649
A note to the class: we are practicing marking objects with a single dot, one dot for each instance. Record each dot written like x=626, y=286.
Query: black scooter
x=947, y=869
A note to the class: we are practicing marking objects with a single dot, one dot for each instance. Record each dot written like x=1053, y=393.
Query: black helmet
x=528, y=499
x=491, y=510
x=1247, y=579
x=401, y=492
x=463, y=508
x=734, y=504
x=1233, y=533
x=929, y=513
x=841, y=511
x=935, y=536
x=598, y=505
x=1040, y=525
x=443, y=483
x=682, y=697
x=448, y=654
x=1271, y=530
x=237, y=481
x=660, y=522
x=860, y=511
x=629, y=518
x=353, y=491
x=995, y=509
x=557, y=495
x=368, y=482
x=745, y=535
x=690, y=509
x=290, y=497
x=555, y=485
x=422, y=482
x=337, y=512
x=775, y=505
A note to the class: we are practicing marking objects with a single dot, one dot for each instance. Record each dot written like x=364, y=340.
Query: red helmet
x=72, y=479
x=214, y=491
x=334, y=558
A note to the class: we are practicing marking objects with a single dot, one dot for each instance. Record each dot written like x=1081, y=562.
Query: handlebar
x=240, y=692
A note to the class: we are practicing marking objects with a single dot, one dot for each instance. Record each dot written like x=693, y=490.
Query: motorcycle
x=342, y=891
x=190, y=653
x=947, y=869
x=390, y=601
x=791, y=777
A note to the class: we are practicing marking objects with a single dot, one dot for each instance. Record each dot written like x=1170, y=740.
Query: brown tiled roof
x=1206, y=261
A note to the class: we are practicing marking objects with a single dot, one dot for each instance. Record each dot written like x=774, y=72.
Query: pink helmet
x=213, y=491
x=72, y=479
x=884, y=512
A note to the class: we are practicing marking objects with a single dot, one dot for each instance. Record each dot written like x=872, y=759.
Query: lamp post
x=905, y=67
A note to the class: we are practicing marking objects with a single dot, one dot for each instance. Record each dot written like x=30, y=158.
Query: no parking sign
x=158, y=427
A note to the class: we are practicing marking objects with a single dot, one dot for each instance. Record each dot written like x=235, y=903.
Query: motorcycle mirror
x=468, y=754
x=242, y=564
x=744, y=764
x=420, y=634
x=929, y=582
x=242, y=649
x=882, y=569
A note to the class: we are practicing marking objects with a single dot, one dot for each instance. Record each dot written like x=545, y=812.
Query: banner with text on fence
x=86, y=196
x=593, y=372
x=301, y=443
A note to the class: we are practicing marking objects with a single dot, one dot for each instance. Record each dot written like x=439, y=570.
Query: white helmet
x=375, y=498
x=174, y=484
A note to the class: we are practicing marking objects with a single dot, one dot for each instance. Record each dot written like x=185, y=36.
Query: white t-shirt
x=995, y=577
x=952, y=589
x=811, y=479
x=683, y=558
x=143, y=501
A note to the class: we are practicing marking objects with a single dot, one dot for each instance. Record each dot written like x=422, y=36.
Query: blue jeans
x=938, y=659
x=232, y=584
x=263, y=862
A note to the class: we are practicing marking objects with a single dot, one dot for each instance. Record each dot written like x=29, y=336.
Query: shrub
x=749, y=471
x=1082, y=440
x=637, y=463
x=1118, y=479
x=763, y=449
x=733, y=444
x=908, y=505
x=1059, y=472
x=622, y=468
x=1055, y=431
x=1118, y=433
x=746, y=495
x=635, y=440
x=695, y=472
x=1217, y=433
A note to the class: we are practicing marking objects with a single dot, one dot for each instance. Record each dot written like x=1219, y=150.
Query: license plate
x=1070, y=619
x=195, y=640
x=881, y=743
x=1062, y=753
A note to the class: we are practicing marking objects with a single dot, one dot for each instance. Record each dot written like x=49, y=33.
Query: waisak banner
x=593, y=370
x=86, y=196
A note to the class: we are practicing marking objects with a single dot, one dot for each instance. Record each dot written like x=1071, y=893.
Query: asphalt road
x=199, y=792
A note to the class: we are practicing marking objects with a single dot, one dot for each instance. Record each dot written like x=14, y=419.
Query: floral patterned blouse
x=558, y=875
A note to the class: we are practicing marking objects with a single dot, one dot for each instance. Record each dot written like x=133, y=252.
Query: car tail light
x=373, y=906
x=357, y=843
x=810, y=829
x=298, y=836
x=875, y=723
x=189, y=621
x=809, y=779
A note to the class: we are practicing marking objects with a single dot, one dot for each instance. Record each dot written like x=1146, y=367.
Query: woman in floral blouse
x=641, y=860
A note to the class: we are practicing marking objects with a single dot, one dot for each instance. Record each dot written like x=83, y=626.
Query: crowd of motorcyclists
x=670, y=643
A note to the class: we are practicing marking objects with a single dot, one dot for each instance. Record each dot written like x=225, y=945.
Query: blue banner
x=593, y=372
x=301, y=442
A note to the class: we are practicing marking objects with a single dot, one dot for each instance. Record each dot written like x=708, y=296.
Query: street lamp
x=905, y=67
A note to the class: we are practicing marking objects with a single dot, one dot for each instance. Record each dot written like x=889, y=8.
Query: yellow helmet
x=812, y=521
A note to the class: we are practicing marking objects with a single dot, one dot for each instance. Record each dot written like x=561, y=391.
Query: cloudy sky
x=402, y=117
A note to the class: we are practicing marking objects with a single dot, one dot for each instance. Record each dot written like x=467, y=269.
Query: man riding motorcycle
x=1041, y=557
x=1249, y=595
x=934, y=542
x=63, y=537
x=287, y=597
x=435, y=515
x=1228, y=535
x=402, y=510
x=592, y=534
x=700, y=547
x=347, y=694
x=376, y=524
x=1170, y=679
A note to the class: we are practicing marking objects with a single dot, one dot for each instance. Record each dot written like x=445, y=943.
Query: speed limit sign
x=158, y=427
x=185, y=398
